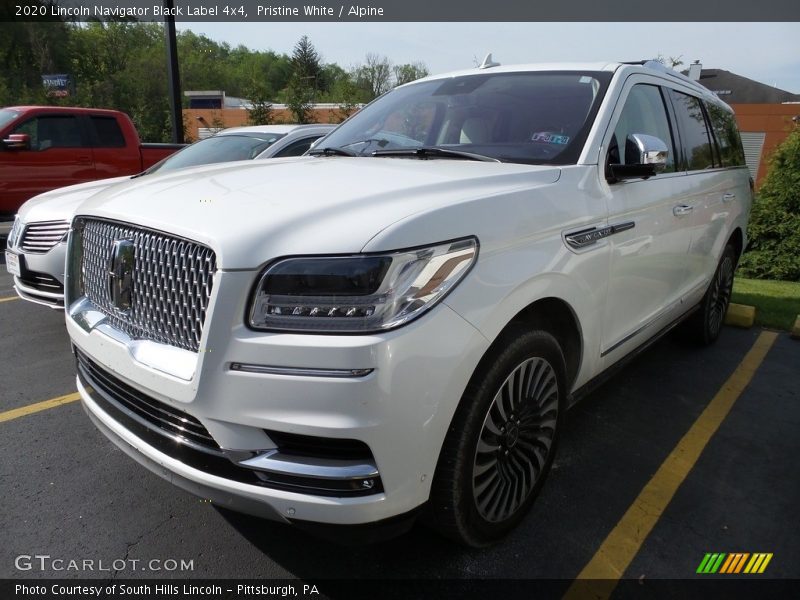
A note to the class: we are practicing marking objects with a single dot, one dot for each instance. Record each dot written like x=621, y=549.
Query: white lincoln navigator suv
x=395, y=325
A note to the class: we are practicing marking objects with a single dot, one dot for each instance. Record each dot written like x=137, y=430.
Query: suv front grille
x=38, y=238
x=171, y=281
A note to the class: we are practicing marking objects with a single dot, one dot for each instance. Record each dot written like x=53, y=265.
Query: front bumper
x=42, y=276
x=400, y=410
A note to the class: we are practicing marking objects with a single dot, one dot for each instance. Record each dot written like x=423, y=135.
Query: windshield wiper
x=331, y=151
x=424, y=152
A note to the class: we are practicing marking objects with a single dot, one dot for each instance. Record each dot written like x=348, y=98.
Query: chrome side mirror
x=652, y=150
x=649, y=153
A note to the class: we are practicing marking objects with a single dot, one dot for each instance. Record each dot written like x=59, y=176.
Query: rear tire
x=706, y=324
x=501, y=442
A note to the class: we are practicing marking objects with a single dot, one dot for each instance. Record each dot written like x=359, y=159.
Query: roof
x=644, y=66
x=64, y=109
x=501, y=68
x=735, y=89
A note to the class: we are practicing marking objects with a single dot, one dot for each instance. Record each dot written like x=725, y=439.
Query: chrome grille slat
x=172, y=281
x=157, y=416
x=172, y=422
x=38, y=238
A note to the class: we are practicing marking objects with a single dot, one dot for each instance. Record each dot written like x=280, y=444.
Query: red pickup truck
x=47, y=147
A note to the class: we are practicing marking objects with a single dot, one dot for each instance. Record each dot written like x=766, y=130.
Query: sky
x=766, y=52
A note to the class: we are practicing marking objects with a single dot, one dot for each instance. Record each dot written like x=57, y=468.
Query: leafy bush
x=775, y=220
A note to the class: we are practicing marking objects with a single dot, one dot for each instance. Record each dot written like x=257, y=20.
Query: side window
x=52, y=132
x=297, y=148
x=107, y=132
x=697, y=148
x=726, y=133
x=644, y=112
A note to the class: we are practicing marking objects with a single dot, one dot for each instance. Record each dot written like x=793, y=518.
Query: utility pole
x=172, y=73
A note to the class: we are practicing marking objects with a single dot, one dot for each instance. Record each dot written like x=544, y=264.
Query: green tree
x=307, y=64
x=375, y=75
x=775, y=218
x=261, y=112
x=29, y=50
x=409, y=72
x=300, y=100
x=673, y=62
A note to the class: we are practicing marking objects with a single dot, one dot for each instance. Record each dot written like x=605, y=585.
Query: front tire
x=502, y=440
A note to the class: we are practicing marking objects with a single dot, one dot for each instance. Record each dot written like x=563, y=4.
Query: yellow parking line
x=22, y=411
x=9, y=298
x=600, y=575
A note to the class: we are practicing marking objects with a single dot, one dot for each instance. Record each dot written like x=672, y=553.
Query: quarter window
x=107, y=132
x=726, y=134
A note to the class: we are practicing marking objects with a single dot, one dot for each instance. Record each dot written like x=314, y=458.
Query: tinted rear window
x=697, y=148
x=726, y=134
x=107, y=132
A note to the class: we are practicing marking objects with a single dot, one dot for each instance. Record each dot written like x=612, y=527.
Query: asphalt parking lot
x=69, y=493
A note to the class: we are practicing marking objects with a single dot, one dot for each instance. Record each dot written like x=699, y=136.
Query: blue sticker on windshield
x=550, y=138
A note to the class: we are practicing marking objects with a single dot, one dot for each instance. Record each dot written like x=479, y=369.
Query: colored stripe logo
x=734, y=563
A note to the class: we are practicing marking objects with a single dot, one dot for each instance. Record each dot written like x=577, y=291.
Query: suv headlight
x=358, y=293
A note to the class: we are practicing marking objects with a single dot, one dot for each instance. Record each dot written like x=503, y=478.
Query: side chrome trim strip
x=627, y=338
x=299, y=371
x=587, y=237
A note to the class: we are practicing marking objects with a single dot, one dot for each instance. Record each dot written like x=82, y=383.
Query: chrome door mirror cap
x=652, y=150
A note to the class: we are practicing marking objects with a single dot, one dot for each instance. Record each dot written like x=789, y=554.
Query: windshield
x=534, y=117
x=219, y=148
x=6, y=116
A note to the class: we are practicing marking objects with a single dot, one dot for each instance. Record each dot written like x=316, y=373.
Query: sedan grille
x=168, y=287
x=40, y=237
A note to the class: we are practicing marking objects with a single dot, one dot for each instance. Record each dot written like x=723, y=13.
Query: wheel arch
x=557, y=317
x=737, y=239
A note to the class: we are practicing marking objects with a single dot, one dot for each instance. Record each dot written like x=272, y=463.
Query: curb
x=795, y=332
x=741, y=315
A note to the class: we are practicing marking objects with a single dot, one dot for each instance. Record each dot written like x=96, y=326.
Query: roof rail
x=662, y=68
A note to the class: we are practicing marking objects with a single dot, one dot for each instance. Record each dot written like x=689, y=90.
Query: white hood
x=252, y=211
x=60, y=204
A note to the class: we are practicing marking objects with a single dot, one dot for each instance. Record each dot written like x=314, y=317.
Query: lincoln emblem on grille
x=121, y=274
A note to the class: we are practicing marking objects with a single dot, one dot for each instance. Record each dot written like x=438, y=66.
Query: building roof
x=735, y=89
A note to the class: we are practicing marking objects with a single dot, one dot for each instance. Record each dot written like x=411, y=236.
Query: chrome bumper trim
x=161, y=357
x=299, y=371
x=49, y=299
x=273, y=461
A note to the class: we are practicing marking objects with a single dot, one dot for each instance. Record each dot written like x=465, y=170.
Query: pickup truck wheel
x=501, y=442
x=706, y=324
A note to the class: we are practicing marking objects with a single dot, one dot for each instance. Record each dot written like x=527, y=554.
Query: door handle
x=84, y=160
x=727, y=197
x=682, y=210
